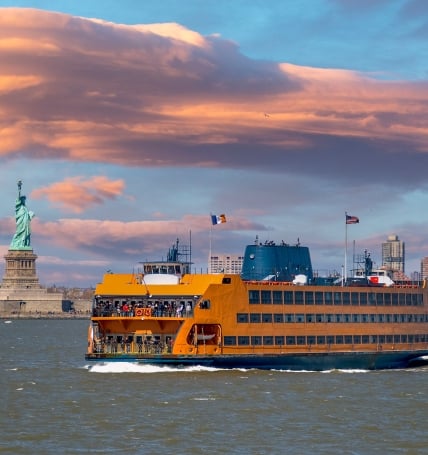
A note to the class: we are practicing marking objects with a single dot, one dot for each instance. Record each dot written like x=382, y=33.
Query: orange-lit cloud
x=76, y=194
x=89, y=90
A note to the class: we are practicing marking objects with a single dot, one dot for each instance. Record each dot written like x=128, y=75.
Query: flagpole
x=209, y=254
x=346, y=249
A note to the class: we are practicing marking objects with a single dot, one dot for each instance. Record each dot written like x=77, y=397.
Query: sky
x=130, y=123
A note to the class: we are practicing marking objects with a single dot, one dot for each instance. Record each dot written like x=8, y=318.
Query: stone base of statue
x=20, y=290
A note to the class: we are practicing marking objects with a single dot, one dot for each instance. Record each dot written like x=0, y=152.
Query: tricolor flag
x=218, y=219
x=352, y=219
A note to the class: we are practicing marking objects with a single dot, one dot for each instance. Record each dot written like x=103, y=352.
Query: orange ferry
x=275, y=315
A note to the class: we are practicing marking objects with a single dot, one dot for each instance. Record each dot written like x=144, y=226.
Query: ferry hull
x=291, y=362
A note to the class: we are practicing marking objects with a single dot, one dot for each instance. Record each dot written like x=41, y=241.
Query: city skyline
x=130, y=126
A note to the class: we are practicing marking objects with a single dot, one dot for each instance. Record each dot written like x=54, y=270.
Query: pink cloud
x=161, y=95
x=76, y=194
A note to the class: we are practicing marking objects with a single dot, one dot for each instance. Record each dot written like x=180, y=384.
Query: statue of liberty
x=23, y=217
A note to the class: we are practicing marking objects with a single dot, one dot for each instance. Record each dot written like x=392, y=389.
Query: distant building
x=225, y=263
x=424, y=268
x=393, y=257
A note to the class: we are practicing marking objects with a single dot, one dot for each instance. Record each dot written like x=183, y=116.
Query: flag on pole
x=352, y=219
x=218, y=219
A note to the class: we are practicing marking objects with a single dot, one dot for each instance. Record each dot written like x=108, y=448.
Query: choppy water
x=54, y=403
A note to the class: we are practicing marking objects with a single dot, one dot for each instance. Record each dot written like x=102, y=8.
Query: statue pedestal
x=20, y=272
x=20, y=291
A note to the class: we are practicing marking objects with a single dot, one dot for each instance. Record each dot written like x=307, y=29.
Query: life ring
x=147, y=312
x=139, y=312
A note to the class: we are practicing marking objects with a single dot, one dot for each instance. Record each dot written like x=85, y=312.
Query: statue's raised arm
x=22, y=238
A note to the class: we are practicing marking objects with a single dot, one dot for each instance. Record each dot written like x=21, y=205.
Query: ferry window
x=266, y=297
x=388, y=317
x=289, y=317
x=321, y=339
x=402, y=318
x=357, y=339
x=396, y=338
x=319, y=317
x=278, y=317
x=363, y=298
x=402, y=299
x=408, y=299
x=381, y=338
x=298, y=297
x=328, y=298
x=309, y=298
x=338, y=298
x=288, y=297
x=346, y=298
x=279, y=340
x=243, y=340
x=319, y=298
x=414, y=299
x=365, y=339
x=404, y=338
x=256, y=340
x=379, y=299
x=242, y=317
x=338, y=318
x=373, y=318
x=301, y=340
x=372, y=298
x=277, y=297
x=394, y=299
x=381, y=317
x=373, y=338
x=267, y=317
x=226, y=280
x=329, y=317
x=300, y=318
x=355, y=318
x=229, y=341
x=330, y=339
x=364, y=318
x=205, y=304
x=339, y=339
x=396, y=317
x=387, y=299
x=311, y=340
x=347, y=317
x=355, y=300
x=255, y=317
x=348, y=339
x=254, y=296
x=291, y=340
x=310, y=318
x=268, y=341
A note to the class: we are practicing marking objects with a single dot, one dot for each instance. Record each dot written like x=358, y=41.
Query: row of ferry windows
x=334, y=298
x=291, y=340
x=321, y=317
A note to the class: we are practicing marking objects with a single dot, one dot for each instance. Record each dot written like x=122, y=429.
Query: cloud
x=77, y=194
x=145, y=95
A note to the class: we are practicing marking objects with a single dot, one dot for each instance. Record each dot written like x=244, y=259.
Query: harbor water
x=53, y=402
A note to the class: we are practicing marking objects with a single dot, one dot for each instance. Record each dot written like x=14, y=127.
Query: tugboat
x=277, y=314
